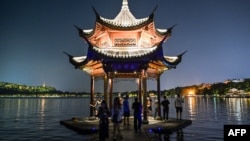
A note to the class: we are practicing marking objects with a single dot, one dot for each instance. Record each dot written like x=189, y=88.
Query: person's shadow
x=179, y=135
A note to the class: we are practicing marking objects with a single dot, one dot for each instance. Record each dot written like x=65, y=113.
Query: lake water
x=38, y=118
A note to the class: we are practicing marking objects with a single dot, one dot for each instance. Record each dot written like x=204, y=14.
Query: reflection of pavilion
x=125, y=47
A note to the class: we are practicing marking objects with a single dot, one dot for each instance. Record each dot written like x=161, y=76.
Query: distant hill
x=10, y=88
x=220, y=88
x=213, y=89
x=7, y=88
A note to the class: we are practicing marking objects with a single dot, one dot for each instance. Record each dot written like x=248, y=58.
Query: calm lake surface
x=38, y=118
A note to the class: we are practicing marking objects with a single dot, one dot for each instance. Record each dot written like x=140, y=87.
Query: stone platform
x=151, y=131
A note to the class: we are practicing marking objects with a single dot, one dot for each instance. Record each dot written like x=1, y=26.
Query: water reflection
x=237, y=108
x=38, y=118
x=210, y=114
x=41, y=109
x=191, y=104
x=18, y=109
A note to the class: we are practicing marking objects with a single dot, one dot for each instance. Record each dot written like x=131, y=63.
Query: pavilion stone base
x=92, y=118
x=145, y=121
x=158, y=118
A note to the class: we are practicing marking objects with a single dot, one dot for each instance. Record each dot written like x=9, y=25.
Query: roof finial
x=124, y=3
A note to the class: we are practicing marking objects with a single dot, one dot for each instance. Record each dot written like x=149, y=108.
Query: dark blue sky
x=34, y=34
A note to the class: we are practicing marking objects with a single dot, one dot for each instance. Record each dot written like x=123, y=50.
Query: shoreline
x=87, y=96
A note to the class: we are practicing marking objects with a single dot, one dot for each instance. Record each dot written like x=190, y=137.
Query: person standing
x=178, y=106
x=156, y=108
x=117, y=112
x=165, y=104
x=99, y=102
x=103, y=115
x=126, y=110
x=137, y=107
x=149, y=106
x=95, y=107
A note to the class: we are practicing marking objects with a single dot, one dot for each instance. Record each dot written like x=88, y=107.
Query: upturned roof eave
x=148, y=56
x=86, y=35
x=132, y=27
x=173, y=64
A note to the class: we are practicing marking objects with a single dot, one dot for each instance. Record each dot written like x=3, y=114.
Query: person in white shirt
x=178, y=106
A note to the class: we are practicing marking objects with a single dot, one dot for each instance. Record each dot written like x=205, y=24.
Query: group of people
x=121, y=110
x=165, y=105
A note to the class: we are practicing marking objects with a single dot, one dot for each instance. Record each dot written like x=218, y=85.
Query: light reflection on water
x=209, y=115
x=38, y=118
x=236, y=108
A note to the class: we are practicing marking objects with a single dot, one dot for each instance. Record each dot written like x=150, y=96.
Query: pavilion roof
x=97, y=65
x=125, y=52
x=124, y=20
x=125, y=58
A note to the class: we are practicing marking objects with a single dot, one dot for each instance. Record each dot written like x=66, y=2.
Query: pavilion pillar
x=105, y=79
x=145, y=110
x=159, y=95
x=139, y=89
x=91, y=96
x=110, y=91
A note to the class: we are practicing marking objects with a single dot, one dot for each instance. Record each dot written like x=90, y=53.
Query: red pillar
x=110, y=92
x=145, y=112
x=159, y=95
x=105, y=79
x=91, y=96
x=139, y=89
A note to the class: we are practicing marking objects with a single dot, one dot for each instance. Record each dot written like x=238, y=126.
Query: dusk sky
x=34, y=34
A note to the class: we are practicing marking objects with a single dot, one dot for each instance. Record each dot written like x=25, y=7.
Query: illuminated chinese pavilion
x=125, y=47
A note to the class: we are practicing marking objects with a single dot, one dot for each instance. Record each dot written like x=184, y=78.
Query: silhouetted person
x=103, y=115
x=156, y=108
x=165, y=104
x=179, y=135
x=117, y=113
x=178, y=106
x=137, y=107
x=126, y=110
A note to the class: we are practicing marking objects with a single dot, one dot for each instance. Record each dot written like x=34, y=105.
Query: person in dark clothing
x=137, y=107
x=178, y=106
x=165, y=104
x=126, y=111
x=117, y=113
x=103, y=114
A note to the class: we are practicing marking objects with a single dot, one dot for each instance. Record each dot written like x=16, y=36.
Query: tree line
x=218, y=89
x=21, y=89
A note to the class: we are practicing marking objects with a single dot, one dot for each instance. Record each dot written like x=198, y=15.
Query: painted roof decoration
x=125, y=45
